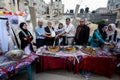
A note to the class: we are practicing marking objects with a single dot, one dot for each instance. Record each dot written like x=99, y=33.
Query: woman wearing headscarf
x=25, y=38
x=99, y=36
x=111, y=33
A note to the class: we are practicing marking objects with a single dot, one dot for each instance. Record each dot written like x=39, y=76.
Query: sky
x=92, y=4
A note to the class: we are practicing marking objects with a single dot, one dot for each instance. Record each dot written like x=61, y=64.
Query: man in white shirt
x=69, y=31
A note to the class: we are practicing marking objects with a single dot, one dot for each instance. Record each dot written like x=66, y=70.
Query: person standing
x=51, y=39
x=13, y=35
x=82, y=33
x=99, y=36
x=25, y=38
x=69, y=31
x=40, y=34
x=8, y=39
x=111, y=34
x=60, y=40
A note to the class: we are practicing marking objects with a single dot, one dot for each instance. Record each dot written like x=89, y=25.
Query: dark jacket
x=49, y=41
x=82, y=35
x=104, y=35
x=24, y=43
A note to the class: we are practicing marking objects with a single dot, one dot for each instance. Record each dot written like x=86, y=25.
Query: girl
x=26, y=38
x=60, y=40
x=99, y=36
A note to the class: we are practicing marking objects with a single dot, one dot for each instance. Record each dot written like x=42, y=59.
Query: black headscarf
x=103, y=33
x=100, y=26
x=21, y=26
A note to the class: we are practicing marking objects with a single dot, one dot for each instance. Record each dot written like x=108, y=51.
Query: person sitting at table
x=25, y=38
x=61, y=39
x=99, y=36
x=51, y=39
x=111, y=34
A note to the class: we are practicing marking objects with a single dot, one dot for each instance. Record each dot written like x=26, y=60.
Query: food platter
x=109, y=46
x=14, y=54
x=69, y=48
x=53, y=48
x=88, y=50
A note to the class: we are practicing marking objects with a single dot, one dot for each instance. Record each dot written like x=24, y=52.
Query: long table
x=102, y=63
x=9, y=68
x=99, y=65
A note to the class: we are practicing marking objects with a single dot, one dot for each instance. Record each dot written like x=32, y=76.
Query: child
x=61, y=39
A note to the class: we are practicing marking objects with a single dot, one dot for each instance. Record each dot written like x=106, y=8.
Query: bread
x=53, y=48
x=89, y=50
x=69, y=48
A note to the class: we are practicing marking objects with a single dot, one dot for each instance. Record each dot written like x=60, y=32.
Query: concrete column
x=33, y=17
x=16, y=5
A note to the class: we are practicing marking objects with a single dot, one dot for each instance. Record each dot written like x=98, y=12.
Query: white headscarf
x=113, y=29
x=111, y=33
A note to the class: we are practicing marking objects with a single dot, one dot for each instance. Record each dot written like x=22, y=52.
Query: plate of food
x=88, y=50
x=14, y=54
x=109, y=46
x=53, y=48
x=69, y=48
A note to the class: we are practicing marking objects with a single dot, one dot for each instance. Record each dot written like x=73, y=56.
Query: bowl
x=14, y=54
